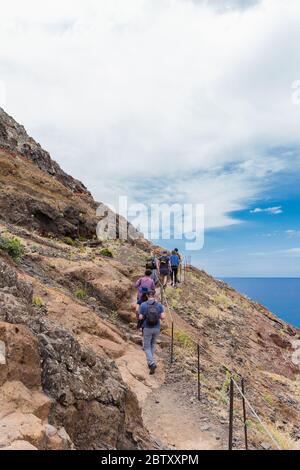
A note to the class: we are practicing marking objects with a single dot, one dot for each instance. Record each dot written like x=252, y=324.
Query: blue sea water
x=280, y=295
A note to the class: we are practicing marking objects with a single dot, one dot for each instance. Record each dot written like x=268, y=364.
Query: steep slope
x=85, y=391
x=70, y=358
x=36, y=193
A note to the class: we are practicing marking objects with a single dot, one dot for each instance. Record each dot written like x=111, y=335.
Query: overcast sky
x=170, y=100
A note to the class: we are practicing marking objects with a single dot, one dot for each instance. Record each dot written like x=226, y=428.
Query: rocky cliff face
x=14, y=138
x=46, y=349
x=72, y=372
x=62, y=392
x=36, y=193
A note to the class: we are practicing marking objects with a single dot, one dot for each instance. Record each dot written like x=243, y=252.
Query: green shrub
x=13, y=247
x=80, y=294
x=183, y=340
x=226, y=383
x=269, y=399
x=37, y=302
x=106, y=252
x=113, y=316
x=69, y=241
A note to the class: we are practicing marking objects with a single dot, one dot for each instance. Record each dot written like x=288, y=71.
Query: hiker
x=144, y=285
x=152, y=265
x=179, y=272
x=151, y=314
x=144, y=298
x=175, y=262
x=164, y=266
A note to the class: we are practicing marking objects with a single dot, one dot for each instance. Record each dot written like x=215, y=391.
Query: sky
x=170, y=101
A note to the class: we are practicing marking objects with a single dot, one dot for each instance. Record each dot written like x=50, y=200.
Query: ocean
x=280, y=295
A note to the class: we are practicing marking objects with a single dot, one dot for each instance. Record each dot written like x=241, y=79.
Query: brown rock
x=19, y=426
x=15, y=396
x=22, y=357
x=280, y=341
x=126, y=316
x=20, y=445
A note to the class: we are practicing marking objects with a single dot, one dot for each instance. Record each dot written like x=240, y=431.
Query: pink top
x=145, y=282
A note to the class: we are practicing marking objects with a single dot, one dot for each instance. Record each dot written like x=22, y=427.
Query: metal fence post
x=172, y=344
x=231, y=405
x=244, y=414
x=199, y=375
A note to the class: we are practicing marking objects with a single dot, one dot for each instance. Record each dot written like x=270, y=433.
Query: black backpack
x=152, y=315
x=164, y=260
x=151, y=264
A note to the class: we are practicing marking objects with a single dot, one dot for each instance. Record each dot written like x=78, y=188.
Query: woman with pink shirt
x=144, y=285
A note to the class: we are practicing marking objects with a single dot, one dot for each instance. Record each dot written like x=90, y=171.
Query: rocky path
x=170, y=416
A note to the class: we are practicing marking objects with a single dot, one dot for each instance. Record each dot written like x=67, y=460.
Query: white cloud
x=169, y=90
x=269, y=210
x=291, y=252
x=293, y=233
x=225, y=5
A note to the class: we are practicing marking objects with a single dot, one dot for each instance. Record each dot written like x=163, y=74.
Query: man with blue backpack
x=175, y=264
x=151, y=314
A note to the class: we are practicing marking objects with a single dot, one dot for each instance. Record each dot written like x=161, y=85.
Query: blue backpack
x=152, y=315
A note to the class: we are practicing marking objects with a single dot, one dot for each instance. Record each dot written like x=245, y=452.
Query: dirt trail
x=171, y=413
x=179, y=423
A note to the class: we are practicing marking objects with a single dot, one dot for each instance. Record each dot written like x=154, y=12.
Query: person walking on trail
x=151, y=315
x=144, y=298
x=164, y=266
x=175, y=262
x=144, y=285
x=152, y=264
x=179, y=272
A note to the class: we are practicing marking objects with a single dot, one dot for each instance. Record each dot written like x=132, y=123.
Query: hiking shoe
x=153, y=368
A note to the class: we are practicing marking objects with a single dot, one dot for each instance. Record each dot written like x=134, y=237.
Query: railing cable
x=256, y=416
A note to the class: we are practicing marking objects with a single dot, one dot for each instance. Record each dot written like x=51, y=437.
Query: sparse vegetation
x=106, y=252
x=175, y=296
x=225, y=387
x=37, y=302
x=224, y=392
x=69, y=241
x=113, y=316
x=269, y=399
x=80, y=294
x=222, y=300
x=283, y=438
x=13, y=247
x=183, y=340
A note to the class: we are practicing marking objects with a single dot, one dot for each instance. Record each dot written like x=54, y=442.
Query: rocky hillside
x=72, y=371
